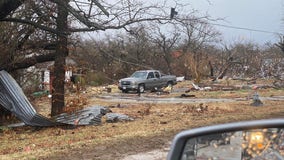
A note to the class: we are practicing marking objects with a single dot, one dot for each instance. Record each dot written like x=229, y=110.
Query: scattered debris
x=180, y=79
x=252, y=81
x=161, y=93
x=165, y=90
x=278, y=83
x=207, y=88
x=13, y=99
x=163, y=122
x=108, y=89
x=196, y=87
x=195, y=109
x=168, y=89
x=86, y=116
x=255, y=97
x=117, y=117
x=187, y=95
x=117, y=106
x=256, y=101
x=40, y=93
x=200, y=108
x=101, y=89
x=187, y=91
x=145, y=111
x=227, y=89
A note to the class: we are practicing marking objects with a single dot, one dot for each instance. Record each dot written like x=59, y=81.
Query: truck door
x=151, y=81
x=159, y=82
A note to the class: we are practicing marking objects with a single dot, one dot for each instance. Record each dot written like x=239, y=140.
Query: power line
x=247, y=29
x=119, y=59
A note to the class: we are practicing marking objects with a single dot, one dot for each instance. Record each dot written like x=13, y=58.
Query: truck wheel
x=124, y=91
x=141, y=88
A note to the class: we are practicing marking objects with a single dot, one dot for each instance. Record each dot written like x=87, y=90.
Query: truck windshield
x=139, y=74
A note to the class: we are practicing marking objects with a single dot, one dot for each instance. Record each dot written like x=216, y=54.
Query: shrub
x=96, y=79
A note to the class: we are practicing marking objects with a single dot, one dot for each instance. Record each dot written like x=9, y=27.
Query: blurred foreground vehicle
x=248, y=140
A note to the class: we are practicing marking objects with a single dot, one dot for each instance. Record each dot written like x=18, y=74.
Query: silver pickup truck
x=146, y=80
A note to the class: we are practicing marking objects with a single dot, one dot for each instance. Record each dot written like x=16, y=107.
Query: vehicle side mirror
x=259, y=139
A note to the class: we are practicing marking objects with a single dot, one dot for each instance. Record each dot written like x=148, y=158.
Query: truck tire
x=125, y=91
x=141, y=88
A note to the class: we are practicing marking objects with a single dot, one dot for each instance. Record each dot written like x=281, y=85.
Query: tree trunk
x=8, y=6
x=196, y=58
x=58, y=100
x=211, y=69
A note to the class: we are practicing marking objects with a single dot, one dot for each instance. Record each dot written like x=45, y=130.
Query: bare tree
x=51, y=16
x=165, y=45
x=197, y=33
x=280, y=44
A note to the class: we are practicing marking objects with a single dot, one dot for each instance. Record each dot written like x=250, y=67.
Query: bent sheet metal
x=13, y=99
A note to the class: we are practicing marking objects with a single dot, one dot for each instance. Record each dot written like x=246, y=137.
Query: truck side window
x=150, y=75
x=157, y=74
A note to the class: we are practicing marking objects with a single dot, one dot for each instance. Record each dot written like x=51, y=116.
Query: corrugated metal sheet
x=117, y=117
x=14, y=100
x=87, y=116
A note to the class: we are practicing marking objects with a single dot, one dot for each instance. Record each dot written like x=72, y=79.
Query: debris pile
x=255, y=97
x=196, y=87
x=279, y=83
x=165, y=90
x=117, y=117
x=13, y=99
x=256, y=101
x=195, y=109
x=186, y=95
x=101, y=90
x=87, y=116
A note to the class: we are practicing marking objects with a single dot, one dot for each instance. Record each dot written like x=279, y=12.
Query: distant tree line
x=144, y=36
x=118, y=55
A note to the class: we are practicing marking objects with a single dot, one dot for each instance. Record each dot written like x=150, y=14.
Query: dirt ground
x=149, y=135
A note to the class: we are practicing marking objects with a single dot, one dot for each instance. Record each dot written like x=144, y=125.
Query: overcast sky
x=264, y=15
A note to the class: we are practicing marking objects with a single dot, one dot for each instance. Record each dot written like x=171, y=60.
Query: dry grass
x=154, y=125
